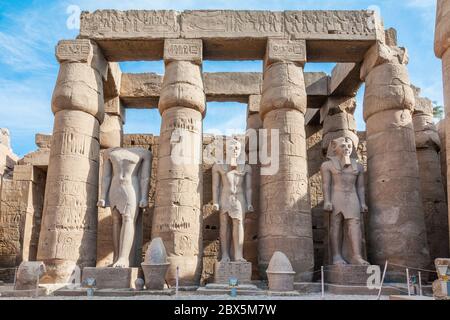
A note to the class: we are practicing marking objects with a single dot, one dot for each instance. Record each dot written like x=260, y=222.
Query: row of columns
x=68, y=235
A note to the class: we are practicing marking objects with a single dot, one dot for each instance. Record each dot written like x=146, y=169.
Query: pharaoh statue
x=232, y=197
x=124, y=188
x=343, y=192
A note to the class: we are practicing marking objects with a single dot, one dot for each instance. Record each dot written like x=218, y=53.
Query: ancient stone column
x=69, y=223
x=338, y=120
x=177, y=217
x=396, y=218
x=442, y=50
x=254, y=123
x=443, y=153
x=433, y=196
x=285, y=220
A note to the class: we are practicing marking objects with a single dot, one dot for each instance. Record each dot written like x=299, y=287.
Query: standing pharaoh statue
x=343, y=191
x=232, y=197
x=124, y=188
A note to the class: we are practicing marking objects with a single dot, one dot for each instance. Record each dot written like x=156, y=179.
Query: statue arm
x=248, y=188
x=326, y=186
x=215, y=187
x=360, y=187
x=146, y=169
x=106, y=181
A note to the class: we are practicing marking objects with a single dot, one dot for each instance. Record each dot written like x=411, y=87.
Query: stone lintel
x=442, y=33
x=142, y=90
x=342, y=36
x=183, y=50
x=345, y=79
x=82, y=51
x=279, y=50
x=25, y=173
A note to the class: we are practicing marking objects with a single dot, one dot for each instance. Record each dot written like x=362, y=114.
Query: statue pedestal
x=111, y=278
x=223, y=271
x=350, y=275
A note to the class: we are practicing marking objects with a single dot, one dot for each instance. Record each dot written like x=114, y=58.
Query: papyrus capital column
x=396, y=218
x=434, y=199
x=177, y=217
x=285, y=222
x=442, y=50
x=69, y=222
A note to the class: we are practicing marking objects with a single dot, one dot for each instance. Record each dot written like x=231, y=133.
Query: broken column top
x=140, y=34
x=423, y=105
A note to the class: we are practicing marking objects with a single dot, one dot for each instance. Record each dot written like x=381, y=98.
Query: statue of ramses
x=124, y=188
x=232, y=197
x=343, y=191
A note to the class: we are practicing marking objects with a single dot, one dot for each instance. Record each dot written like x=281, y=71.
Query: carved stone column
x=285, y=222
x=442, y=50
x=433, y=196
x=69, y=223
x=251, y=218
x=177, y=217
x=396, y=216
x=338, y=120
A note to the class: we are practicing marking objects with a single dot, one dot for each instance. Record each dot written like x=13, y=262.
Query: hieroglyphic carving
x=310, y=24
x=148, y=23
x=227, y=23
x=79, y=50
x=183, y=49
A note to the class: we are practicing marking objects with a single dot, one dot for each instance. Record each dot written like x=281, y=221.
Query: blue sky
x=29, y=31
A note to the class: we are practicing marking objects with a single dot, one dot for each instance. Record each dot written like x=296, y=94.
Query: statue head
x=341, y=148
x=234, y=151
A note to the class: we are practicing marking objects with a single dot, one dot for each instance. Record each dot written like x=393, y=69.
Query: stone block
x=28, y=275
x=43, y=141
x=285, y=50
x=346, y=274
x=223, y=271
x=111, y=278
x=183, y=50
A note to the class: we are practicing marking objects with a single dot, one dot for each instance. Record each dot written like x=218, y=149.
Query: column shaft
x=177, y=217
x=285, y=223
x=69, y=223
x=396, y=216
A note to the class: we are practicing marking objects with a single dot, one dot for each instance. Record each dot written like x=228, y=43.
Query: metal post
x=420, y=284
x=176, y=280
x=382, y=280
x=407, y=281
x=322, y=281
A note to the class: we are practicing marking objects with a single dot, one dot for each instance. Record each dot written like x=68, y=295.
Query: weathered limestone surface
x=139, y=35
x=441, y=48
x=142, y=90
x=443, y=152
x=397, y=223
x=40, y=157
x=7, y=158
x=69, y=223
x=432, y=190
x=21, y=205
x=285, y=221
x=28, y=275
x=177, y=217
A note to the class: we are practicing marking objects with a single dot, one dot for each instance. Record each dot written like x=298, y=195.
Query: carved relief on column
x=285, y=222
x=177, y=217
x=69, y=224
x=434, y=198
x=396, y=221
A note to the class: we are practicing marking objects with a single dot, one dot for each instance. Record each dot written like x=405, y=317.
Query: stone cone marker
x=280, y=273
x=155, y=265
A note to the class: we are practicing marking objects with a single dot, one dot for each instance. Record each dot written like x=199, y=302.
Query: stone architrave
x=396, y=221
x=69, y=224
x=177, y=218
x=124, y=188
x=434, y=198
x=285, y=223
x=442, y=51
